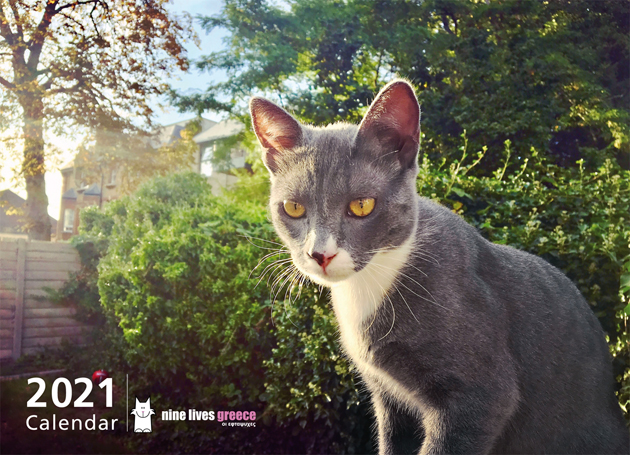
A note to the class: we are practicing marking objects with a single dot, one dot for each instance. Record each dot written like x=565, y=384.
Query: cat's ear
x=277, y=131
x=137, y=402
x=393, y=120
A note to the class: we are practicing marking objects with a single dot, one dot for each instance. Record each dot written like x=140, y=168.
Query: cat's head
x=343, y=193
x=143, y=407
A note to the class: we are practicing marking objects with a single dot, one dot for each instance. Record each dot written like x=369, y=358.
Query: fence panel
x=28, y=319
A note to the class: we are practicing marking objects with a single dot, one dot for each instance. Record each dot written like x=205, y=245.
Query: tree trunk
x=36, y=211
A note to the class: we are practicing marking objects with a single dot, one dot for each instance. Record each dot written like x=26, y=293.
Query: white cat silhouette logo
x=143, y=413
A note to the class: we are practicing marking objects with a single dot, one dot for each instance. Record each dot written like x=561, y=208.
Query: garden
x=190, y=296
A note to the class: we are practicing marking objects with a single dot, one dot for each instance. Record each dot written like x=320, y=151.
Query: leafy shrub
x=193, y=330
x=576, y=220
x=188, y=322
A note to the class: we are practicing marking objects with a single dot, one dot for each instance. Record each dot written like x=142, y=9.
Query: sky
x=190, y=81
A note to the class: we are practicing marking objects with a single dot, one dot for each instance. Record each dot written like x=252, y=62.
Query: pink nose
x=321, y=258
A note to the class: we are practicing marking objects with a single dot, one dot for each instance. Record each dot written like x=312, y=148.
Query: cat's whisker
x=420, y=254
x=284, y=302
x=289, y=290
x=281, y=283
x=273, y=297
x=248, y=237
x=406, y=303
x=411, y=290
x=268, y=255
x=393, y=318
x=275, y=265
x=373, y=298
x=406, y=263
x=278, y=261
x=303, y=282
x=279, y=278
x=383, y=156
x=280, y=274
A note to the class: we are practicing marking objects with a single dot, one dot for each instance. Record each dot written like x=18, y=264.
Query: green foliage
x=578, y=221
x=548, y=75
x=188, y=323
x=323, y=391
x=185, y=318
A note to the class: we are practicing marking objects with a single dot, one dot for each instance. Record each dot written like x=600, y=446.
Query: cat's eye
x=293, y=209
x=362, y=206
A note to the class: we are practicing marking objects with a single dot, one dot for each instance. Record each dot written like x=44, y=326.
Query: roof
x=70, y=194
x=165, y=135
x=93, y=190
x=69, y=165
x=168, y=134
x=223, y=129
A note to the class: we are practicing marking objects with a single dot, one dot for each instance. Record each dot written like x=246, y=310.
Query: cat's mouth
x=335, y=268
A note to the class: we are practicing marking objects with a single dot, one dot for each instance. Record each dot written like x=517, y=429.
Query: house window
x=78, y=179
x=68, y=220
x=206, y=160
x=112, y=177
x=206, y=168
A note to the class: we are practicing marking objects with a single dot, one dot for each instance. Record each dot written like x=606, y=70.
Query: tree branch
x=5, y=30
x=36, y=43
x=6, y=83
x=16, y=17
x=75, y=4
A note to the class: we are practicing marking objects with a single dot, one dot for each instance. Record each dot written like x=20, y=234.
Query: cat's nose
x=322, y=258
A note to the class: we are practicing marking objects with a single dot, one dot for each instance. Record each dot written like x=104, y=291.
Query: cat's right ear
x=393, y=120
x=277, y=131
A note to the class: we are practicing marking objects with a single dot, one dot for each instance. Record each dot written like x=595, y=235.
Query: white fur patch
x=355, y=301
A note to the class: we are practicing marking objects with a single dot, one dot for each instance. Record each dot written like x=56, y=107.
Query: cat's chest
x=359, y=300
x=355, y=307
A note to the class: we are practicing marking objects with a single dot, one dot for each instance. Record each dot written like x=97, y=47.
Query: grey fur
x=498, y=346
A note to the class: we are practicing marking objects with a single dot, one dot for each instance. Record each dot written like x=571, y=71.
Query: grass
x=16, y=438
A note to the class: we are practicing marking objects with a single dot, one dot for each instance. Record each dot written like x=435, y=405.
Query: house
x=78, y=193
x=209, y=141
x=11, y=214
x=170, y=133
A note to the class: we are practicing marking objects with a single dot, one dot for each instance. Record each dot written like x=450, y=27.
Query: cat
x=143, y=413
x=465, y=346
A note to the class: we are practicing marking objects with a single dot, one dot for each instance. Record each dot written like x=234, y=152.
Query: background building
x=78, y=192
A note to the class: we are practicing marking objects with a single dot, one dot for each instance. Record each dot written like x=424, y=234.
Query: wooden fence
x=28, y=319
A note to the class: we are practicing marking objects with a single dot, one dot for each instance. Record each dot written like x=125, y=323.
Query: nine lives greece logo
x=141, y=415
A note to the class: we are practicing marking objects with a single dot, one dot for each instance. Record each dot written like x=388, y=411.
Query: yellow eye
x=293, y=209
x=363, y=206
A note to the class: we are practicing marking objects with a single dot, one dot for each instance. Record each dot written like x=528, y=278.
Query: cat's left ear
x=277, y=131
x=393, y=121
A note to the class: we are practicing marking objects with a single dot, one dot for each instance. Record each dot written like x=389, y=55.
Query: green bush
x=192, y=328
x=576, y=220
x=185, y=318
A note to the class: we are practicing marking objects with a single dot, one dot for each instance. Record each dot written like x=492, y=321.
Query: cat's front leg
x=399, y=432
x=466, y=426
x=384, y=421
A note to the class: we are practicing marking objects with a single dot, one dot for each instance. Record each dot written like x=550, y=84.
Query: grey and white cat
x=466, y=346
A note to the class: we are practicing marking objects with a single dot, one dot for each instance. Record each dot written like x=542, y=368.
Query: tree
x=92, y=63
x=548, y=75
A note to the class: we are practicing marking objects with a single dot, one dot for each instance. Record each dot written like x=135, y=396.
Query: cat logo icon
x=143, y=413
